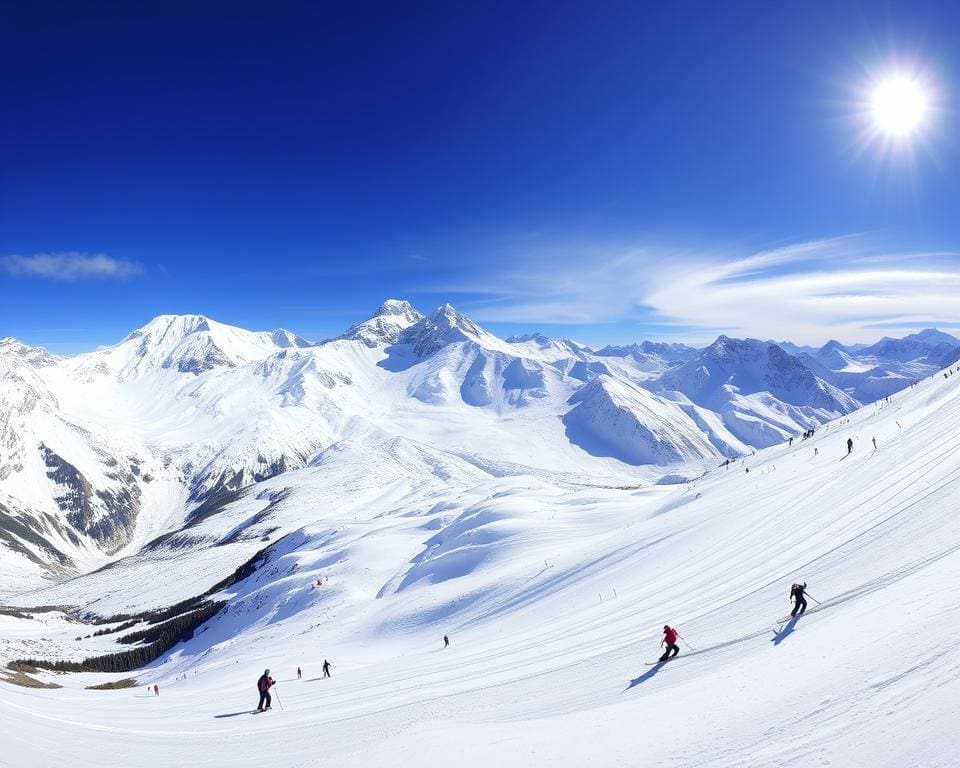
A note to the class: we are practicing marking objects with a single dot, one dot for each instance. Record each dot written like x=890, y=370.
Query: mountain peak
x=180, y=324
x=724, y=346
x=188, y=344
x=832, y=345
x=385, y=325
x=933, y=337
x=37, y=357
x=540, y=339
x=448, y=316
x=285, y=339
x=398, y=308
x=446, y=325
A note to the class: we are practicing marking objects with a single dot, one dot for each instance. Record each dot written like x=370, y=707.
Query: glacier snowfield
x=552, y=568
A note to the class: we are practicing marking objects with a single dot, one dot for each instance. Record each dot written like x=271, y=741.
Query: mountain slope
x=613, y=418
x=763, y=393
x=66, y=490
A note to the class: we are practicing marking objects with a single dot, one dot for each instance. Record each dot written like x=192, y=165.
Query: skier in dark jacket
x=326, y=668
x=446, y=641
x=263, y=686
x=800, y=602
x=849, y=445
x=670, y=639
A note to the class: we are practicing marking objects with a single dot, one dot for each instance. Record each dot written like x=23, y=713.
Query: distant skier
x=874, y=443
x=800, y=602
x=326, y=668
x=156, y=690
x=263, y=686
x=816, y=451
x=849, y=445
x=299, y=673
x=791, y=441
x=670, y=640
x=446, y=641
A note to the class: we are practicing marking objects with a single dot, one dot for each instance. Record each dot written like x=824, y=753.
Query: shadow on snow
x=646, y=675
x=779, y=635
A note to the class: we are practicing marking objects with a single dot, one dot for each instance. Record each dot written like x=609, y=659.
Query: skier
x=670, y=639
x=446, y=641
x=791, y=441
x=156, y=690
x=299, y=673
x=816, y=451
x=874, y=443
x=849, y=445
x=263, y=686
x=800, y=602
x=326, y=668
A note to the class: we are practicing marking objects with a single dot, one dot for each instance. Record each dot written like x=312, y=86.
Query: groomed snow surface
x=554, y=590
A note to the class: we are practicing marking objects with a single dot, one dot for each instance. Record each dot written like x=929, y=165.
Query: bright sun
x=899, y=106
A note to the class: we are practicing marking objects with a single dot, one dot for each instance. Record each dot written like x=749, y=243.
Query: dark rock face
x=207, y=487
x=17, y=529
x=108, y=516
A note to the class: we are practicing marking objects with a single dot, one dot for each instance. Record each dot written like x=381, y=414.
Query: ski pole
x=686, y=643
x=813, y=598
x=277, y=694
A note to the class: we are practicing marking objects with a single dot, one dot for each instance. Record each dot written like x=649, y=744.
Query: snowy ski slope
x=553, y=589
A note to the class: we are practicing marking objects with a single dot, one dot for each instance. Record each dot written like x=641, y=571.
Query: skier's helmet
x=266, y=671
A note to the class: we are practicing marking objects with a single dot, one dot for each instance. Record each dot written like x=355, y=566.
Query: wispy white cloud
x=70, y=266
x=805, y=292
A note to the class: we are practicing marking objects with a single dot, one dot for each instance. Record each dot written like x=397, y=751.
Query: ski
x=785, y=619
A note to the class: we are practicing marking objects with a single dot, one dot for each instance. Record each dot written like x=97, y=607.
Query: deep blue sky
x=293, y=164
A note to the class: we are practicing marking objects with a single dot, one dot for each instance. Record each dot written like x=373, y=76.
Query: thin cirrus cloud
x=70, y=266
x=843, y=288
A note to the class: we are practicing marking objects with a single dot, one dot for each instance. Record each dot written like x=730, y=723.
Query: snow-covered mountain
x=553, y=586
x=671, y=353
x=386, y=324
x=612, y=418
x=104, y=452
x=872, y=372
x=762, y=393
x=184, y=343
x=69, y=493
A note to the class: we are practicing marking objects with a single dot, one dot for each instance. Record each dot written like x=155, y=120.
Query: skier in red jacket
x=670, y=639
x=263, y=685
